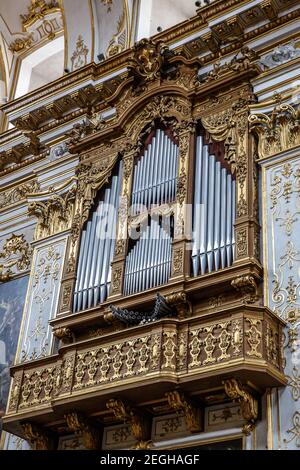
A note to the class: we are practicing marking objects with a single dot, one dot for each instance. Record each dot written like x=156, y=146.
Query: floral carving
x=16, y=253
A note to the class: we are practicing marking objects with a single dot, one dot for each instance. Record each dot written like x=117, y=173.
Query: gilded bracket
x=138, y=423
x=178, y=402
x=182, y=305
x=249, y=405
x=247, y=287
x=78, y=424
x=38, y=437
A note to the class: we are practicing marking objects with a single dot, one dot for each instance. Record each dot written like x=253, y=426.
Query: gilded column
x=246, y=225
x=182, y=223
x=118, y=263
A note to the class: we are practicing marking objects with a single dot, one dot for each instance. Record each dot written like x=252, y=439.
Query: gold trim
x=269, y=419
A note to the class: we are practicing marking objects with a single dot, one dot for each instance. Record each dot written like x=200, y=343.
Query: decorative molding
x=18, y=193
x=249, y=405
x=17, y=256
x=118, y=42
x=244, y=60
x=38, y=10
x=281, y=54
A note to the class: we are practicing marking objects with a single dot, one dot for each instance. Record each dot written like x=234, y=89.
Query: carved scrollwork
x=38, y=437
x=182, y=305
x=222, y=128
x=147, y=59
x=247, y=286
x=16, y=254
x=178, y=402
x=249, y=406
x=138, y=423
x=82, y=428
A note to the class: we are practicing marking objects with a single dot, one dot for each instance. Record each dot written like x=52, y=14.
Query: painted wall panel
x=281, y=228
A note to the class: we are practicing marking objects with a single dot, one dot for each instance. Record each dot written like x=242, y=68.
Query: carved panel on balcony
x=167, y=349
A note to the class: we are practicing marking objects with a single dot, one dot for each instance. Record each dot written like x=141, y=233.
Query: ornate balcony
x=146, y=363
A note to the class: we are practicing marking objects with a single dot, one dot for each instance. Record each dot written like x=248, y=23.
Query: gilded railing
x=246, y=340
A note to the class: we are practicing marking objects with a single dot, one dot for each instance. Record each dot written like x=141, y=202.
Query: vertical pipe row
x=155, y=173
x=213, y=213
x=96, y=249
x=148, y=263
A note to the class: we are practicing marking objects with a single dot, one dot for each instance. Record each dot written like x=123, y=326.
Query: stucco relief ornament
x=79, y=57
x=147, y=59
x=16, y=254
x=281, y=54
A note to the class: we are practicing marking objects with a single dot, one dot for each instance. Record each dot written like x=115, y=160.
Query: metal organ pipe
x=97, y=247
x=155, y=173
x=213, y=213
x=148, y=263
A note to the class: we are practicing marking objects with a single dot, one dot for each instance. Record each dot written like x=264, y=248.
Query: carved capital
x=38, y=437
x=78, y=424
x=278, y=131
x=178, y=402
x=249, y=406
x=54, y=210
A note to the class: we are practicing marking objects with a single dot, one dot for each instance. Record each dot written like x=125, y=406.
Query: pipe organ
x=148, y=263
x=97, y=247
x=213, y=212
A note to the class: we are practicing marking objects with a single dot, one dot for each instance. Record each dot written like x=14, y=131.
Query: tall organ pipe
x=97, y=247
x=213, y=213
